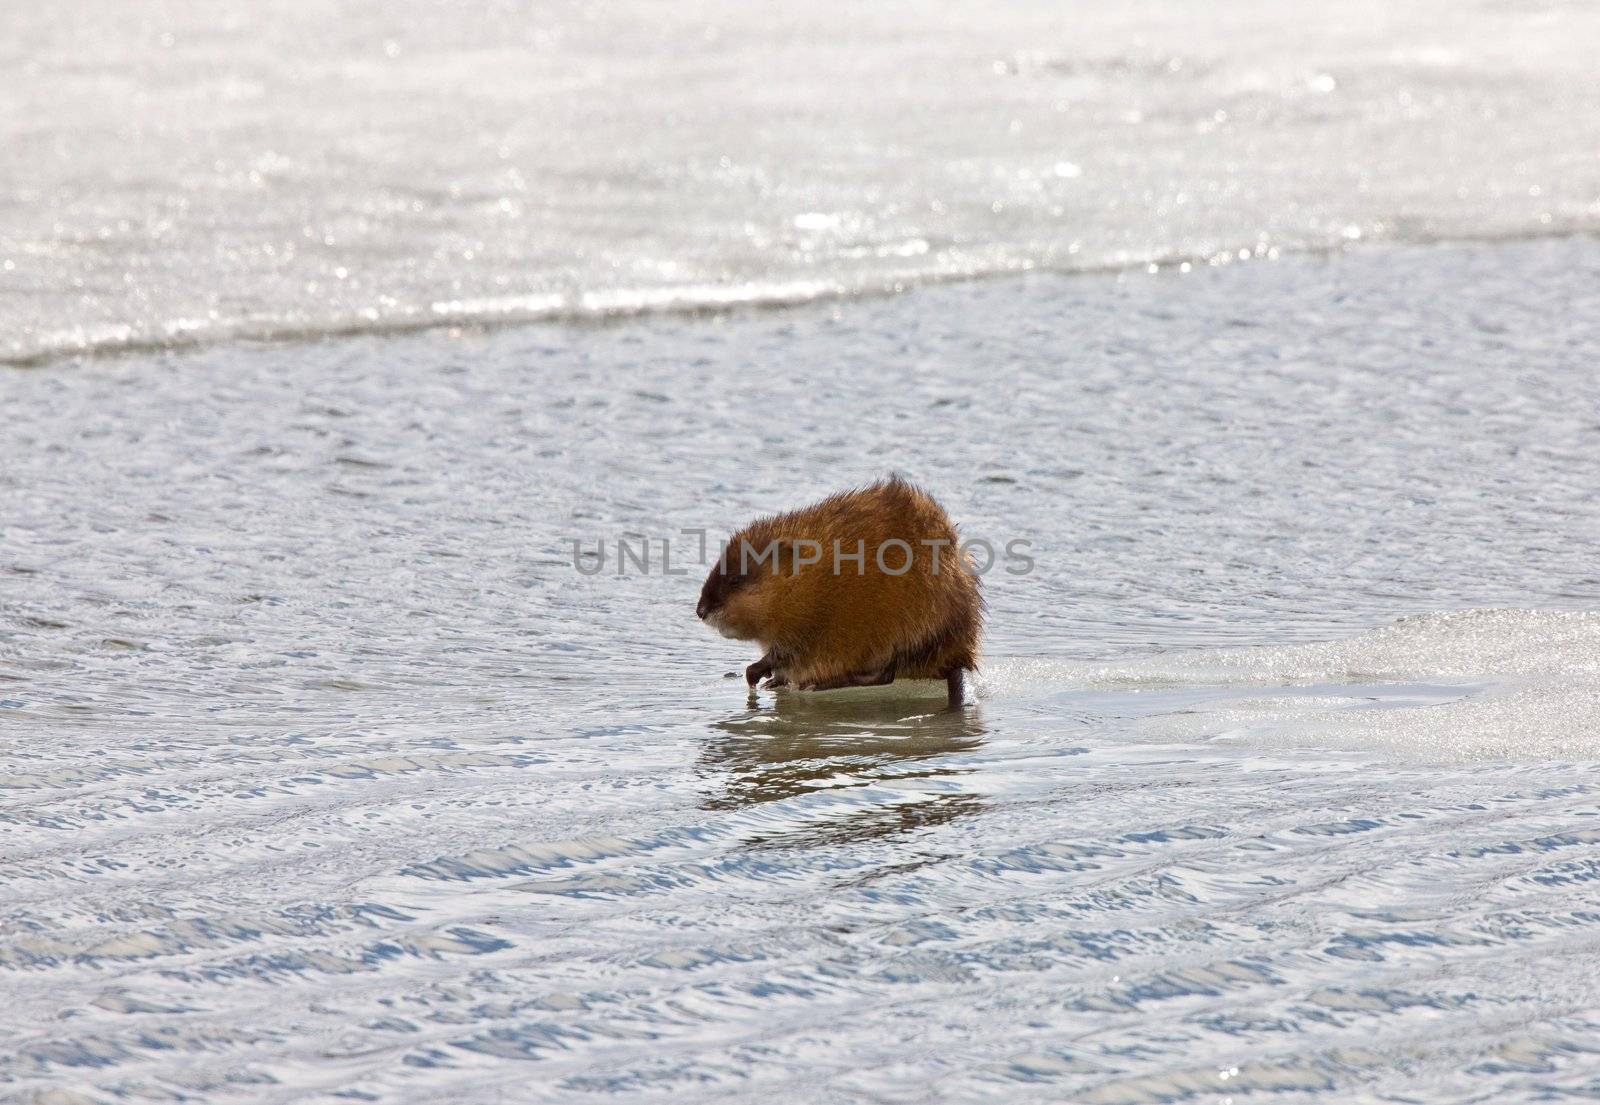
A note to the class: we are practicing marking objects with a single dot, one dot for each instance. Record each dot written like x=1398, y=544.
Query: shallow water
x=329, y=777
x=195, y=171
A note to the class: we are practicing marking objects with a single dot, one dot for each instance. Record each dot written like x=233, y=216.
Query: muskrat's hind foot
x=955, y=682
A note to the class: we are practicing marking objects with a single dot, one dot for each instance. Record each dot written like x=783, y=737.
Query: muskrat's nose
x=700, y=610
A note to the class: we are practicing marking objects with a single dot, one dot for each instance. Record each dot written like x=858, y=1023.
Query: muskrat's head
x=737, y=593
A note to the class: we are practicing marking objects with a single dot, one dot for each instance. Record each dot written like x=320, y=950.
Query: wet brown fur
x=861, y=626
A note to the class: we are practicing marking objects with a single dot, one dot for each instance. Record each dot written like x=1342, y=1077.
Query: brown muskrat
x=866, y=586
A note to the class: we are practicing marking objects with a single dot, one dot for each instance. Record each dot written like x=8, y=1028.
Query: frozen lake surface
x=196, y=170
x=329, y=778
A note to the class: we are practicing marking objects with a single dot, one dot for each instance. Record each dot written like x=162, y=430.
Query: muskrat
x=866, y=586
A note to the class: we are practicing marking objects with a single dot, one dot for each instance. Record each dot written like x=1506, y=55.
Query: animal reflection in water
x=813, y=744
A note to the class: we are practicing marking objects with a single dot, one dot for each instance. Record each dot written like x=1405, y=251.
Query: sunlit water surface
x=328, y=777
x=197, y=170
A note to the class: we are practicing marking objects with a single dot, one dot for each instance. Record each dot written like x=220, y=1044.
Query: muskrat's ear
x=779, y=556
x=732, y=565
x=796, y=553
